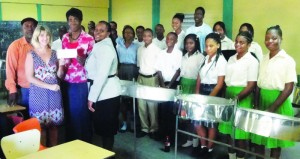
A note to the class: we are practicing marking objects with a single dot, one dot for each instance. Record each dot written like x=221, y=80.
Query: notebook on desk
x=228, y=53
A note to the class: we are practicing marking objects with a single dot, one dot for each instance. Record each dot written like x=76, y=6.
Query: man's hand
x=12, y=99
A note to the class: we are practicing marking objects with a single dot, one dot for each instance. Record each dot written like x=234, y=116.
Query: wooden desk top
x=76, y=149
x=4, y=108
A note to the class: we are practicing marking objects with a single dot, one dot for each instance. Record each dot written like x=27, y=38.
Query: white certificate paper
x=66, y=53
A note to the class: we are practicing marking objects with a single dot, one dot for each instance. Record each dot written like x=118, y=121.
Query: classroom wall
x=54, y=10
x=132, y=12
x=270, y=13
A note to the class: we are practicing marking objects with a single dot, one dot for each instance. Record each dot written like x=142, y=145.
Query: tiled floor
x=150, y=149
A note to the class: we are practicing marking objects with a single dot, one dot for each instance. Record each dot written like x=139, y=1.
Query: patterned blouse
x=75, y=72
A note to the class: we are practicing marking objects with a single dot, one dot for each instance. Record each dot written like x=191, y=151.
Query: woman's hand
x=54, y=87
x=61, y=62
x=90, y=106
x=81, y=60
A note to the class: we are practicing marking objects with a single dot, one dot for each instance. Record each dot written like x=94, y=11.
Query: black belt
x=92, y=81
x=128, y=64
x=208, y=85
x=148, y=76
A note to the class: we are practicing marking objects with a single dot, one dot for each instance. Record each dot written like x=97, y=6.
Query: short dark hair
x=195, y=39
x=249, y=27
x=128, y=27
x=221, y=24
x=200, y=8
x=173, y=33
x=113, y=22
x=150, y=30
x=140, y=27
x=179, y=16
x=159, y=25
x=107, y=25
x=277, y=28
x=74, y=12
x=29, y=19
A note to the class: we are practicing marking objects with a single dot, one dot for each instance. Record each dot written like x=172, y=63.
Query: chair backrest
x=32, y=123
x=21, y=144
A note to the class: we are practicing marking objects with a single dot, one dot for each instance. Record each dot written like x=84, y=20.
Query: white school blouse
x=239, y=72
x=274, y=73
x=210, y=72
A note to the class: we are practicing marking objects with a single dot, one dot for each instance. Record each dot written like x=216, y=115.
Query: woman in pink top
x=75, y=89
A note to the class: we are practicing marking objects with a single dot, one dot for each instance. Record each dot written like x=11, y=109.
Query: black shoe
x=141, y=134
x=155, y=136
x=195, y=151
x=203, y=151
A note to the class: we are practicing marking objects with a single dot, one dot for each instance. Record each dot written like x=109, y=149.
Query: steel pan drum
x=151, y=93
x=268, y=124
x=208, y=108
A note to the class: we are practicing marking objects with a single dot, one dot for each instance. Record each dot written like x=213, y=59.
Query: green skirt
x=227, y=127
x=188, y=86
x=267, y=97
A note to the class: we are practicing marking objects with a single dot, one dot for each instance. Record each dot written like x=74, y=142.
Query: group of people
x=85, y=91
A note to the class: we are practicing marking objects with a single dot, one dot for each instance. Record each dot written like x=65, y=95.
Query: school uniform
x=274, y=73
x=209, y=74
x=147, y=61
x=128, y=60
x=180, y=40
x=238, y=73
x=227, y=44
x=257, y=50
x=160, y=43
x=169, y=63
x=139, y=44
x=190, y=66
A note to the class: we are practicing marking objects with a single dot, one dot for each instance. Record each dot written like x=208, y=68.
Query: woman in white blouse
x=210, y=82
x=177, y=26
x=104, y=86
x=241, y=76
x=227, y=44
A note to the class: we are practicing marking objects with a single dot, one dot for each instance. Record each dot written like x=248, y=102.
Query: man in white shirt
x=147, y=61
x=201, y=29
x=57, y=44
x=169, y=71
x=139, y=36
x=160, y=40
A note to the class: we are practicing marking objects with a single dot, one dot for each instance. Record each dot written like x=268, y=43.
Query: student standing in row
x=139, y=36
x=148, y=55
x=277, y=76
x=177, y=27
x=127, y=52
x=169, y=71
x=255, y=47
x=190, y=65
x=227, y=44
x=210, y=82
x=241, y=76
x=200, y=28
x=160, y=40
